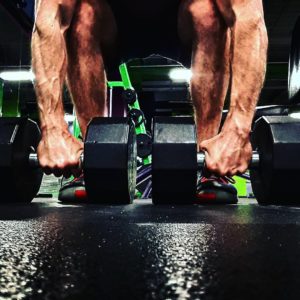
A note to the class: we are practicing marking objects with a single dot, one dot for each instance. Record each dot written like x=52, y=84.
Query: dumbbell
x=274, y=169
x=108, y=162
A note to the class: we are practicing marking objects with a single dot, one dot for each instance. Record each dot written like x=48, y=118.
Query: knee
x=88, y=19
x=84, y=21
x=204, y=16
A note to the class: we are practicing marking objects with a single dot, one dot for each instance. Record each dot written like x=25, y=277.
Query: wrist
x=237, y=123
x=54, y=126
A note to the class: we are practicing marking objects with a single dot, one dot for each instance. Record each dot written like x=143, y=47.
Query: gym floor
x=141, y=251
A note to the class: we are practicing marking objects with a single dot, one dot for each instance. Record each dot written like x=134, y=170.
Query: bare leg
x=93, y=27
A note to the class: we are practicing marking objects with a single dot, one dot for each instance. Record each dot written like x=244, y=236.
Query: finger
x=203, y=146
x=242, y=170
x=67, y=173
x=57, y=172
x=232, y=173
x=47, y=171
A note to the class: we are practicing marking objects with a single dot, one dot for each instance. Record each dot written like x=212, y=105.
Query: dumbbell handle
x=34, y=161
x=253, y=164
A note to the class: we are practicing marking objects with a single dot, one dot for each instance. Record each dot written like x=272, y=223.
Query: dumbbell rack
x=144, y=186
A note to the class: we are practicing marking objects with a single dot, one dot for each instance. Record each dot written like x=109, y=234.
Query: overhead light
x=180, y=74
x=17, y=75
x=69, y=118
x=295, y=115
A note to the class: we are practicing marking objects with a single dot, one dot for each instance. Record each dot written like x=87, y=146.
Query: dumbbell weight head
x=174, y=160
x=110, y=158
x=18, y=181
x=276, y=180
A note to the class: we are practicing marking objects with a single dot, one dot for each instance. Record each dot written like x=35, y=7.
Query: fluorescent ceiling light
x=17, y=75
x=180, y=74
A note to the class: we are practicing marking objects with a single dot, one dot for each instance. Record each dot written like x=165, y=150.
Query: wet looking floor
x=141, y=251
x=52, y=251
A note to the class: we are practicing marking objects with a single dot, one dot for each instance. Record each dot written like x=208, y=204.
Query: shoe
x=72, y=191
x=213, y=189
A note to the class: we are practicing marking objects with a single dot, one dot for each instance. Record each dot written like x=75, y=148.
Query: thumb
x=203, y=146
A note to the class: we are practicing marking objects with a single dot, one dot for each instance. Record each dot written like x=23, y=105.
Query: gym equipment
x=109, y=160
x=144, y=139
x=274, y=167
x=144, y=145
x=174, y=160
x=294, y=65
x=277, y=140
x=129, y=96
x=19, y=137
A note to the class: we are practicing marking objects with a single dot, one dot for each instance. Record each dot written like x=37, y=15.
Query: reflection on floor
x=142, y=251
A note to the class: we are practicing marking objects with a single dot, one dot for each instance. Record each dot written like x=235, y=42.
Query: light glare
x=17, y=75
x=180, y=74
x=295, y=115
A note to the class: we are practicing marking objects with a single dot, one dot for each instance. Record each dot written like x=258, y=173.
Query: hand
x=227, y=154
x=59, y=153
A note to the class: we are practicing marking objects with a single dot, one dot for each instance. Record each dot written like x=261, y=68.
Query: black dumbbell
x=18, y=181
x=108, y=163
x=274, y=168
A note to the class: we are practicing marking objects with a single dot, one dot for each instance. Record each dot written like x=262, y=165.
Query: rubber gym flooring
x=54, y=251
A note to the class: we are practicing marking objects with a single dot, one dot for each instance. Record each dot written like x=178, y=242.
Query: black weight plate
x=110, y=161
x=277, y=141
x=18, y=181
x=174, y=160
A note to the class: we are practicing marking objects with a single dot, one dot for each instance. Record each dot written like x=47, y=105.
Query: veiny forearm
x=249, y=55
x=49, y=61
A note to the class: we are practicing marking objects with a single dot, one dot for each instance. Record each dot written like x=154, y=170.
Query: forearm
x=249, y=55
x=49, y=62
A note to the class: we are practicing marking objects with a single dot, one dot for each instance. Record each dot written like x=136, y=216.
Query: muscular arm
x=248, y=62
x=49, y=60
x=230, y=151
x=49, y=64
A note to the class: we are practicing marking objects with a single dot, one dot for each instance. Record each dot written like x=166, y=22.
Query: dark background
x=16, y=18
